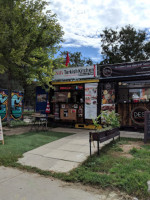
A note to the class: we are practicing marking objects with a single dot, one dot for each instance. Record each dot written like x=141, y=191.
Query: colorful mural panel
x=16, y=105
x=3, y=104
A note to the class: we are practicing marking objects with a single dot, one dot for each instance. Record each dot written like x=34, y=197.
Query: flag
x=47, y=108
x=67, y=59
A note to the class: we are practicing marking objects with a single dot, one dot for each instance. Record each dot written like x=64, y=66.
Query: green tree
x=76, y=59
x=124, y=45
x=29, y=38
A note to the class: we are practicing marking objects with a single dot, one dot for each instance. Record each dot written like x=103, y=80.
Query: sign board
x=147, y=126
x=1, y=132
x=75, y=73
x=126, y=69
x=137, y=115
x=91, y=100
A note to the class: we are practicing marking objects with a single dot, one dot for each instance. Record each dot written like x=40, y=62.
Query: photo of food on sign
x=91, y=96
x=108, y=96
x=88, y=99
x=108, y=107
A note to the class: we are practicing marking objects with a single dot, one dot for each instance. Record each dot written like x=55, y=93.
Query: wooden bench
x=102, y=137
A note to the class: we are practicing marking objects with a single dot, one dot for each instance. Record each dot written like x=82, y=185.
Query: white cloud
x=83, y=20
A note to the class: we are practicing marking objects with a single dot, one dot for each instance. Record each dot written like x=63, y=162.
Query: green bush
x=110, y=119
x=15, y=123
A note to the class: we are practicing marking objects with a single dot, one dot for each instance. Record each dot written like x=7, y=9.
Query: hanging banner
x=1, y=132
x=91, y=100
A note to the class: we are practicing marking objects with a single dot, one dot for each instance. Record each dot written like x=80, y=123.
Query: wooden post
x=90, y=142
x=1, y=132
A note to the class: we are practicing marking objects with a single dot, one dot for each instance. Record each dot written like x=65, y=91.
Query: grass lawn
x=124, y=164
x=117, y=167
x=16, y=145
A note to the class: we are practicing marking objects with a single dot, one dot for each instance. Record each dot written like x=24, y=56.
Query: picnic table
x=39, y=121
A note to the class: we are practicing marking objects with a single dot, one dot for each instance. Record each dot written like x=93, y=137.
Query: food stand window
x=68, y=102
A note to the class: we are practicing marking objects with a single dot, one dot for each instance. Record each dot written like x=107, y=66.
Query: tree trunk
x=9, y=100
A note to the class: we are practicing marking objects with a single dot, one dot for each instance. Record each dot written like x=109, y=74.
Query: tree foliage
x=76, y=59
x=124, y=45
x=29, y=38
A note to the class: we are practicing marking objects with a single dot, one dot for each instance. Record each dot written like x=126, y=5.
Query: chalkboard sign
x=147, y=126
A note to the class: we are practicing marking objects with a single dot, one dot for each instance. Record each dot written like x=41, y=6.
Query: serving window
x=134, y=91
x=68, y=102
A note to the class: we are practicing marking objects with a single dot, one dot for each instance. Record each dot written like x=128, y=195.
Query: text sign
x=75, y=73
x=126, y=69
x=147, y=126
x=137, y=115
x=1, y=132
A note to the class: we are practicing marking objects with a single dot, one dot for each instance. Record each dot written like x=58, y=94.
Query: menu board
x=41, y=98
x=108, y=98
x=91, y=100
x=61, y=96
x=147, y=126
x=1, y=132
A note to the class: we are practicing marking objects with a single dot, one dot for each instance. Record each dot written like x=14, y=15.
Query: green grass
x=16, y=145
x=108, y=170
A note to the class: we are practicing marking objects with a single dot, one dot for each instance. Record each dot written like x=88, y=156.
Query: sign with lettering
x=125, y=69
x=75, y=73
x=1, y=132
x=137, y=115
x=72, y=87
x=147, y=126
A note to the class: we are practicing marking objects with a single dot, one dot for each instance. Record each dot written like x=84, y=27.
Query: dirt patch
x=127, y=147
x=16, y=131
x=132, y=144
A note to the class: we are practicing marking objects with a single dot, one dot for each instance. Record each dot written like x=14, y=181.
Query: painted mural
x=3, y=104
x=16, y=105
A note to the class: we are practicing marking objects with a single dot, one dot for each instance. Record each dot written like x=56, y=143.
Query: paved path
x=65, y=154
x=62, y=155
x=18, y=185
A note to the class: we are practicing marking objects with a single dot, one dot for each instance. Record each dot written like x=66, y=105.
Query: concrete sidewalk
x=67, y=153
x=18, y=185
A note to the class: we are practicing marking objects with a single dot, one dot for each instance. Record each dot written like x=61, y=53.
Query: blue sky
x=84, y=20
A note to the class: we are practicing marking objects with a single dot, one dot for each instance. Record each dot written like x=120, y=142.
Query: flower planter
x=103, y=136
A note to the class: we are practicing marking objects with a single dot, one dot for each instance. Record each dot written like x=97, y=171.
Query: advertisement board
x=75, y=73
x=91, y=100
x=126, y=69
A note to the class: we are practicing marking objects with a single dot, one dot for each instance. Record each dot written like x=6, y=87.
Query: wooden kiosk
x=75, y=96
x=125, y=88
x=81, y=93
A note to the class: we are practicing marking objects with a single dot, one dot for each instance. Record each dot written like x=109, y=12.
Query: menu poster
x=1, y=132
x=91, y=100
x=108, y=96
x=41, y=98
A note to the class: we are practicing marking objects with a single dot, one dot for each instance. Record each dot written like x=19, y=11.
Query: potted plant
x=110, y=122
